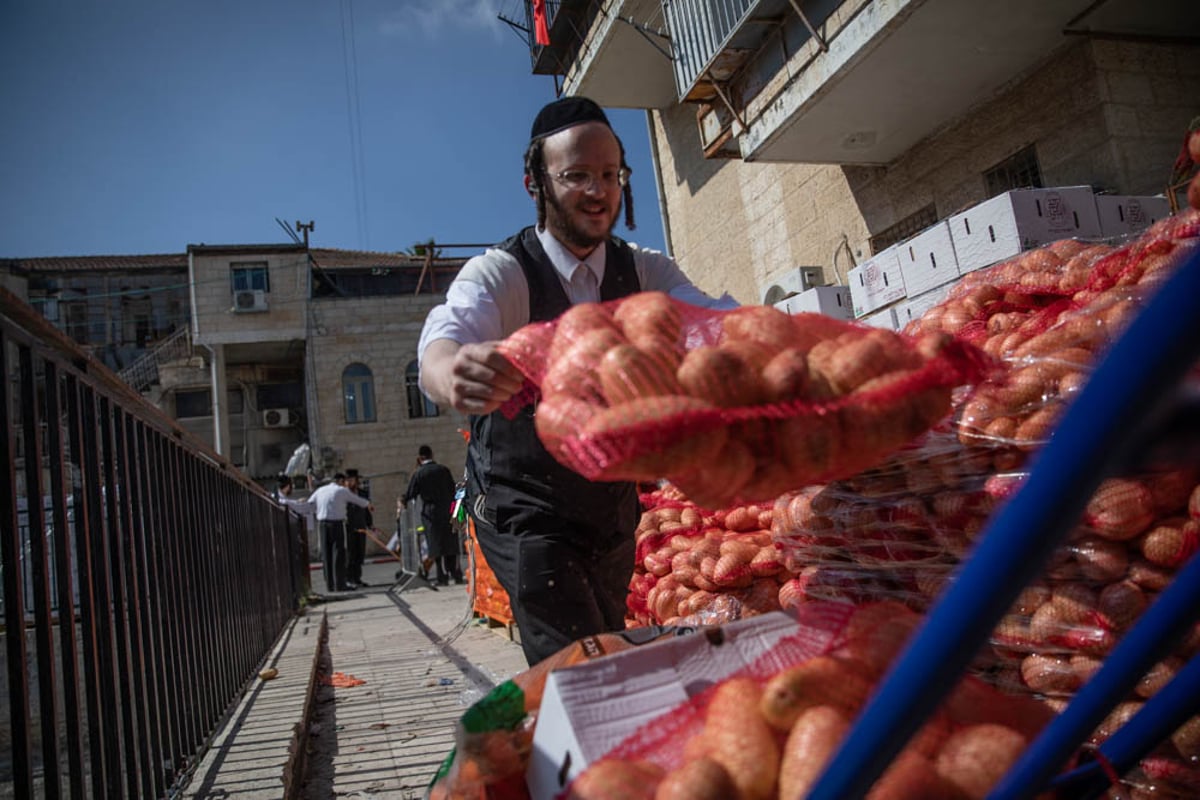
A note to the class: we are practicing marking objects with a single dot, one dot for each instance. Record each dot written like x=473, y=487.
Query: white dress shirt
x=489, y=299
x=330, y=502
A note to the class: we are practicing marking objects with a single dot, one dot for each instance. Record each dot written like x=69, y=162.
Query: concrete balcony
x=857, y=82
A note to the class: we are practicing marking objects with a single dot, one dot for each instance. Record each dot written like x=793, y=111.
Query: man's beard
x=571, y=233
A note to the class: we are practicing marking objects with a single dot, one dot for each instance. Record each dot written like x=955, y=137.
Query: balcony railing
x=144, y=372
x=144, y=581
x=700, y=31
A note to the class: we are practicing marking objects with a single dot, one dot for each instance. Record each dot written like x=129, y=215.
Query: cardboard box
x=590, y=708
x=884, y=318
x=1008, y=224
x=915, y=307
x=876, y=282
x=832, y=301
x=1123, y=214
x=927, y=260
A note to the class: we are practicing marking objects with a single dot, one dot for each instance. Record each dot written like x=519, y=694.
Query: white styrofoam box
x=832, y=301
x=915, y=307
x=793, y=281
x=1123, y=214
x=876, y=282
x=885, y=318
x=590, y=708
x=927, y=260
x=1007, y=224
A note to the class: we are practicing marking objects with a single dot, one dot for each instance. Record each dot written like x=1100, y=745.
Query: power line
x=354, y=119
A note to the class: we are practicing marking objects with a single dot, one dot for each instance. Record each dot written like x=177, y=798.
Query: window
x=279, y=395
x=74, y=316
x=198, y=403
x=358, y=393
x=418, y=404
x=247, y=277
x=1018, y=171
x=905, y=228
x=193, y=404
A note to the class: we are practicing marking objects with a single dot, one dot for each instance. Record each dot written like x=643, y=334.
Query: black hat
x=351, y=473
x=566, y=112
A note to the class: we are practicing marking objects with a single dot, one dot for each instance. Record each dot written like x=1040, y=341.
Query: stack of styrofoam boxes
x=832, y=301
x=915, y=308
x=1124, y=215
x=927, y=260
x=1010, y=223
x=876, y=282
x=883, y=318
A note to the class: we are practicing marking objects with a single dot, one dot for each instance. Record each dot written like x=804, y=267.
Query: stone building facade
x=1109, y=114
x=260, y=350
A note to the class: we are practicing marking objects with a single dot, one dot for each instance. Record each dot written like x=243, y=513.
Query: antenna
x=291, y=234
x=305, y=229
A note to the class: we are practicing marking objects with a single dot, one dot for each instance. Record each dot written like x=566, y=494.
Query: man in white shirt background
x=330, y=501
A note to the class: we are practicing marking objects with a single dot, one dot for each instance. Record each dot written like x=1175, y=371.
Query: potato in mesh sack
x=770, y=729
x=731, y=406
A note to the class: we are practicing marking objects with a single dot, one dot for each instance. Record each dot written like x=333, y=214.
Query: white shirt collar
x=565, y=262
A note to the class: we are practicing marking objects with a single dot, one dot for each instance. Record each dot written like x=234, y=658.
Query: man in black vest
x=358, y=520
x=560, y=545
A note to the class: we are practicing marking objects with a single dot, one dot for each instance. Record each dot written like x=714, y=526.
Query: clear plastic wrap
x=898, y=530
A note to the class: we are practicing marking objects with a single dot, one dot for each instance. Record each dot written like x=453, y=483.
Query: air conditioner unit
x=276, y=417
x=249, y=300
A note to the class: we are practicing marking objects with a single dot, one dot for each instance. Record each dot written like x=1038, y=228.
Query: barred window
x=904, y=229
x=1019, y=171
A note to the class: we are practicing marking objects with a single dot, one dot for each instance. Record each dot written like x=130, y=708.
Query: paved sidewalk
x=423, y=660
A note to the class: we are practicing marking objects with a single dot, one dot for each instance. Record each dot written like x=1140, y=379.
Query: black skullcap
x=566, y=112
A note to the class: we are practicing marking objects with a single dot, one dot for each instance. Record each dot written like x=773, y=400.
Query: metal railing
x=144, y=582
x=700, y=30
x=144, y=371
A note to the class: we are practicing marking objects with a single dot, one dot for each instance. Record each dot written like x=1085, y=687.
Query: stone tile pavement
x=423, y=660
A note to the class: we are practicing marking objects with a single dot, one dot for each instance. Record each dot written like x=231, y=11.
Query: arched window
x=358, y=393
x=418, y=404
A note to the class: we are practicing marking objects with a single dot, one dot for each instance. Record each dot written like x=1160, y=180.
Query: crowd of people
x=340, y=512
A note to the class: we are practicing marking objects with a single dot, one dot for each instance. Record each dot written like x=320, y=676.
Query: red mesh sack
x=731, y=406
x=700, y=567
x=770, y=729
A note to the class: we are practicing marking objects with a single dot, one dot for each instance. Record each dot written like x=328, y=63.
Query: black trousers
x=333, y=554
x=446, y=567
x=356, y=554
x=561, y=586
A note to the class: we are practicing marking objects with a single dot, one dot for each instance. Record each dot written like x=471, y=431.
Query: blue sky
x=142, y=126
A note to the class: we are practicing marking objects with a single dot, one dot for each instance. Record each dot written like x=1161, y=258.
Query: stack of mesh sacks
x=899, y=530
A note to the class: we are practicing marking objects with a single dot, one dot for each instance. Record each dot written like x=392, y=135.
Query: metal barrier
x=411, y=575
x=142, y=586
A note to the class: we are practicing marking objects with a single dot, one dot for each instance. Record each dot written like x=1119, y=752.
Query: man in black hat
x=434, y=484
x=358, y=521
x=561, y=546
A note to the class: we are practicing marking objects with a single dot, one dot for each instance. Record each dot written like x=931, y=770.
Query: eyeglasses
x=582, y=180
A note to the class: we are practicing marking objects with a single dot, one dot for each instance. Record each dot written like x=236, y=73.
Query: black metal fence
x=144, y=578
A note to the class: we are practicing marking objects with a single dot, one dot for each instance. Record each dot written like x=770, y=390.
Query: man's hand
x=472, y=378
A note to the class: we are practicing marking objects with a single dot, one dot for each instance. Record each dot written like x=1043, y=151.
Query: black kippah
x=566, y=112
